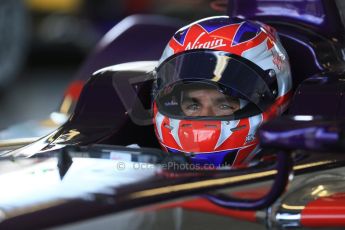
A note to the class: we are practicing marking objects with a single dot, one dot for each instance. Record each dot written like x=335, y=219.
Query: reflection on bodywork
x=200, y=184
x=315, y=164
x=84, y=178
x=68, y=136
x=292, y=207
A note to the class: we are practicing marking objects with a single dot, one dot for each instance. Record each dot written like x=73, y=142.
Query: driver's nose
x=207, y=111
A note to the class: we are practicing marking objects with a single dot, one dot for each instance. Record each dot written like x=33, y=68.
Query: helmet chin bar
x=282, y=174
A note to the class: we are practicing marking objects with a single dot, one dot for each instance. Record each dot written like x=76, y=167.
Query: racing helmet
x=217, y=81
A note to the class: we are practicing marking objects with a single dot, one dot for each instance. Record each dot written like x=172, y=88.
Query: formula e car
x=86, y=174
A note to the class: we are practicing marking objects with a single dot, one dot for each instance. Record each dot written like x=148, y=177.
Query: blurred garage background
x=44, y=42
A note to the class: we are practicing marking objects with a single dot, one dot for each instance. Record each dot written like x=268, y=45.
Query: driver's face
x=208, y=102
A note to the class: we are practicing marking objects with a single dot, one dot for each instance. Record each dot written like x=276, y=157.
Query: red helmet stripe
x=159, y=120
x=254, y=123
x=226, y=131
x=238, y=140
x=175, y=127
x=243, y=153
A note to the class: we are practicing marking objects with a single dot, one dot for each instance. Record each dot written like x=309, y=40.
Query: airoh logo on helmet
x=277, y=60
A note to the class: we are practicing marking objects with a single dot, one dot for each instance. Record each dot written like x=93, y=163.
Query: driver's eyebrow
x=223, y=99
x=190, y=99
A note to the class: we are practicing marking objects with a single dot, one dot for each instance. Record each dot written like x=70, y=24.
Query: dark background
x=38, y=89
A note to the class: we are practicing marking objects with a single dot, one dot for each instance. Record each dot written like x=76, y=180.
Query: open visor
x=229, y=86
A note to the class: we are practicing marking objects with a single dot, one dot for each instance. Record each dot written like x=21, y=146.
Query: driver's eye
x=193, y=107
x=225, y=106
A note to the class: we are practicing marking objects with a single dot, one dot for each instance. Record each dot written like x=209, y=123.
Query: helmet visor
x=209, y=84
x=200, y=99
